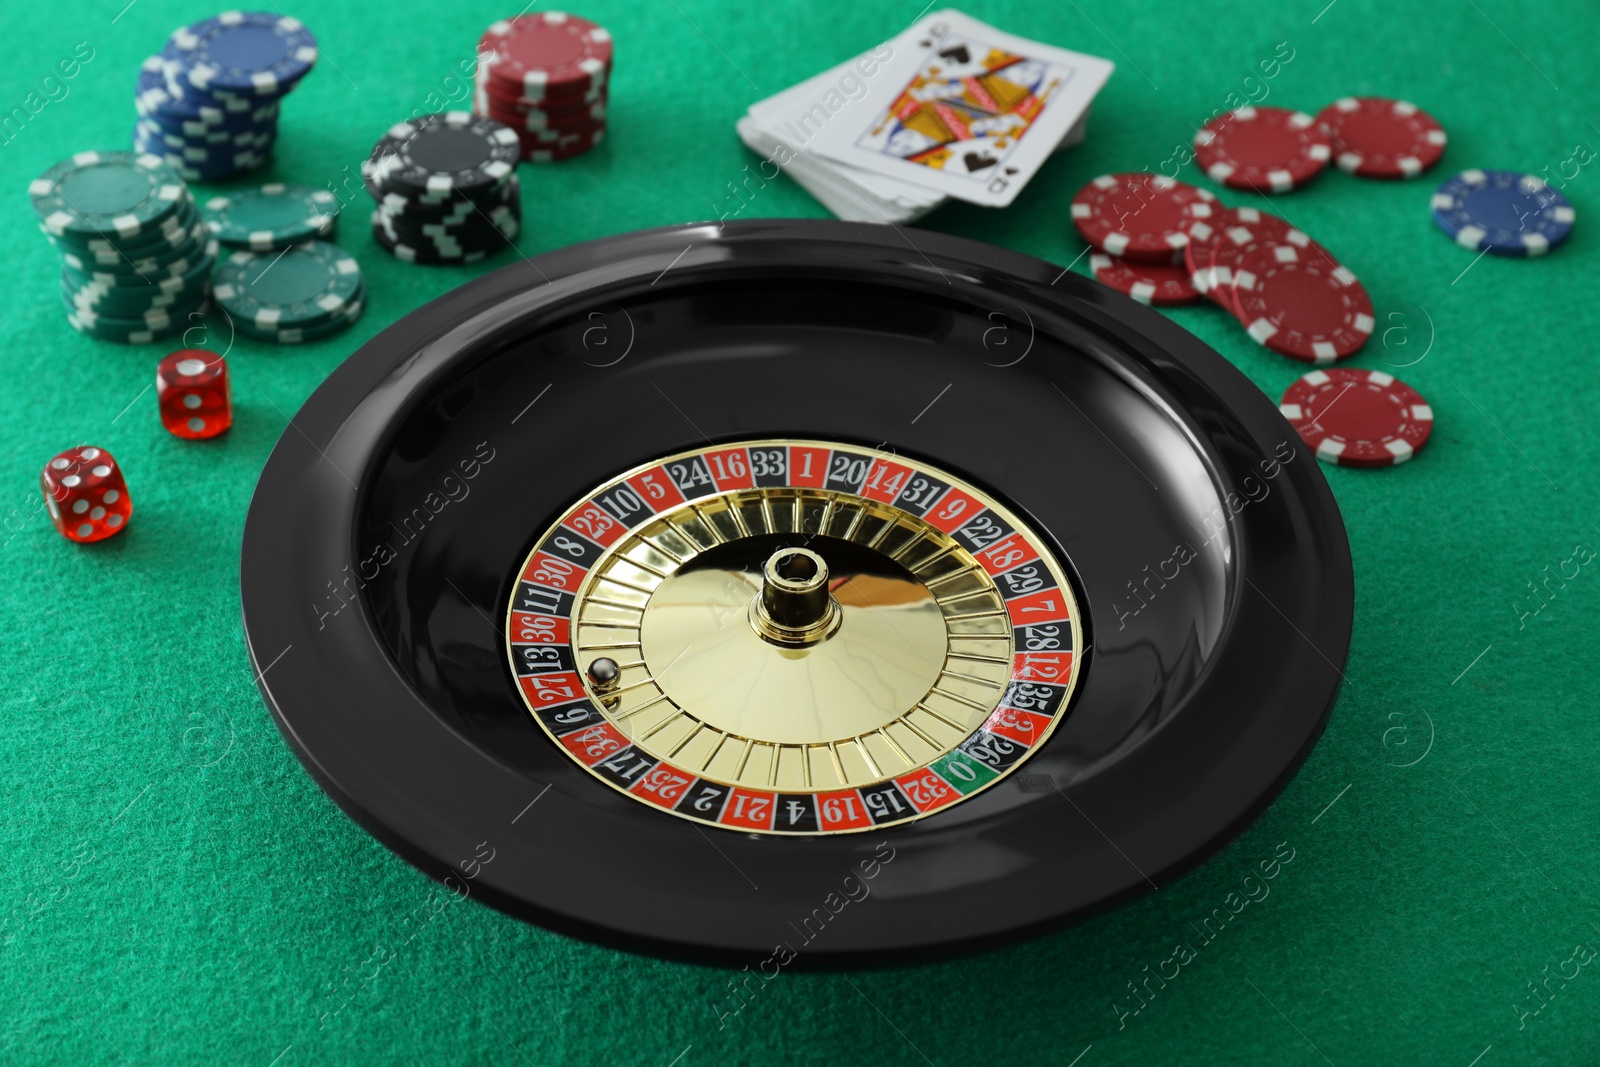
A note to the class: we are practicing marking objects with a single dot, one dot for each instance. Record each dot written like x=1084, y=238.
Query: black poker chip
x=444, y=154
x=460, y=216
x=448, y=248
x=456, y=626
x=477, y=223
x=446, y=189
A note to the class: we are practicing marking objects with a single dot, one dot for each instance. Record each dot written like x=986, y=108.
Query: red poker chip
x=1203, y=236
x=1301, y=303
x=1374, y=137
x=1233, y=227
x=537, y=152
x=1161, y=284
x=1142, y=217
x=1358, y=418
x=483, y=89
x=560, y=135
x=561, y=140
x=520, y=116
x=1267, y=149
x=539, y=125
x=540, y=56
x=1243, y=232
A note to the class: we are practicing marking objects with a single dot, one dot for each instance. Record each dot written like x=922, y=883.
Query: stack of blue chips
x=209, y=103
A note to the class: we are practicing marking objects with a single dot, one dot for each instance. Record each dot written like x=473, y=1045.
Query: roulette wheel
x=810, y=591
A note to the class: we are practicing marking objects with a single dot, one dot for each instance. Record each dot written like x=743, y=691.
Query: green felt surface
x=175, y=889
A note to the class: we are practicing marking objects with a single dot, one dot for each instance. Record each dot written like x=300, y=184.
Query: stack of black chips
x=446, y=188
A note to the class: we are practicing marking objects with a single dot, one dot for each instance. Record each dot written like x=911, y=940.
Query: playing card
x=966, y=110
x=783, y=127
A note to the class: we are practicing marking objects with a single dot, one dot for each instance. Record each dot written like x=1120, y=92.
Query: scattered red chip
x=1358, y=418
x=1203, y=236
x=1142, y=217
x=1232, y=228
x=1301, y=303
x=547, y=55
x=1161, y=284
x=1378, y=138
x=1244, y=232
x=1268, y=149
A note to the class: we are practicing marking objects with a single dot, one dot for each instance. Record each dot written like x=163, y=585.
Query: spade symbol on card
x=959, y=54
x=978, y=161
x=1011, y=170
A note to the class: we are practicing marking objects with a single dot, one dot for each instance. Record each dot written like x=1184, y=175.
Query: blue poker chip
x=266, y=119
x=215, y=142
x=1503, y=212
x=244, y=53
x=160, y=94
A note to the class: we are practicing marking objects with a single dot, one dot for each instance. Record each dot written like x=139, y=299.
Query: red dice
x=192, y=392
x=85, y=493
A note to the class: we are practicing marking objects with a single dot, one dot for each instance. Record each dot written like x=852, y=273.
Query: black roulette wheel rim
x=1206, y=683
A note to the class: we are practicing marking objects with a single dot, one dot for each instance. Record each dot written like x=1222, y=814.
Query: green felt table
x=175, y=889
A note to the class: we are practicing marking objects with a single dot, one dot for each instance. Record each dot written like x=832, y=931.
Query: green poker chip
x=107, y=194
x=136, y=332
x=174, y=260
x=108, y=253
x=302, y=286
x=195, y=269
x=124, y=303
x=155, y=319
x=301, y=334
x=132, y=312
x=271, y=217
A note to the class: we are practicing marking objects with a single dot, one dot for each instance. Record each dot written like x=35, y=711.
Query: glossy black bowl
x=1205, y=544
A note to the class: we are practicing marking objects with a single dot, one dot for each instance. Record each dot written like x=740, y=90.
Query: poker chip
x=495, y=93
x=1305, y=306
x=139, y=259
x=1160, y=284
x=441, y=246
x=566, y=147
x=1139, y=216
x=1203, y=233
x=156, y=319
x=303, y=286
x=135, y=259
x=95, y=193
x=271, y=217
x=1235, y=229
x=293, y=335
x=1358, y=418
x=1373, y=137
x=452, y=152
x=531, y=118
x=1503, y=212
x=546, y=76
x=169, y=270
x=545, y=56
x=161, y=96
x=1243, y=233
x=1265, y=149
x=117, y=247
x=209, y=103
x=446, y=188
x=246, y=53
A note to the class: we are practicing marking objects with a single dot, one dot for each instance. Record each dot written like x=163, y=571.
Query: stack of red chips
x=547, y=76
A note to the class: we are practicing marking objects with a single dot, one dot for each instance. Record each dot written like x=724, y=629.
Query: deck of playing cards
x=949, y=108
